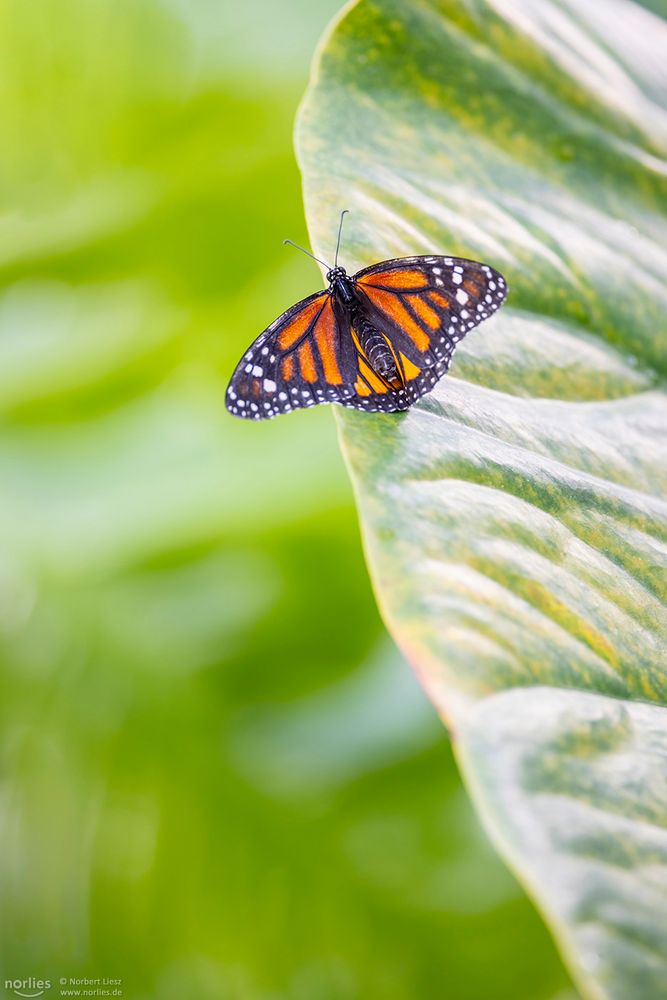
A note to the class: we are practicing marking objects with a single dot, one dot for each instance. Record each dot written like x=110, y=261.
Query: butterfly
x=375, y=340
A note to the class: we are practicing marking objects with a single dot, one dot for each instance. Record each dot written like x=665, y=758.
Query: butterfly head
x=336, y=274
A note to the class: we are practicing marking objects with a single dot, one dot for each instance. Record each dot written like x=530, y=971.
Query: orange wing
x=422, y=306
x=302, y=359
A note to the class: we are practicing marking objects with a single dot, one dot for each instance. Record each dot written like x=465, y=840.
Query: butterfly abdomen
x=375, y=347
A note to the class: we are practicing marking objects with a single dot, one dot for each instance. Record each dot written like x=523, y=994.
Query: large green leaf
x=512, y=519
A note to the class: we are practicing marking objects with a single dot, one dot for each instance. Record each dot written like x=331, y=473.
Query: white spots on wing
x=437, y=270
x=457, y=278
x=282, y=396
x=253, y=406
x=265, y=350
x=461, y=296
x=492, y=285
x=488, y=298
x=257, y=371
x=269, y=385
x=464, y=314
x=248, y=368
x=439, y=281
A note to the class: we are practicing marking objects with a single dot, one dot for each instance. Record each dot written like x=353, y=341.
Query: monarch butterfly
x=376, y=340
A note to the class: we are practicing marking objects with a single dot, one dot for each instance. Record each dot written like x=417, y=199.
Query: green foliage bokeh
x=219, y=780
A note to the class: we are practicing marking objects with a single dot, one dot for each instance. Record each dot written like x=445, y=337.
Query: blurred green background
x=219, y=780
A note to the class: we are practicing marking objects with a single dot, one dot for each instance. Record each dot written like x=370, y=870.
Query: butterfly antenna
x=292, y=244
x=340, y=230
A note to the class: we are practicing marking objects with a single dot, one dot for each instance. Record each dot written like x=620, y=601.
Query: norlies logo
x=29, y=987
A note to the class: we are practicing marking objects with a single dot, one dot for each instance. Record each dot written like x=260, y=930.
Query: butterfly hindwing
x=305, y=357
